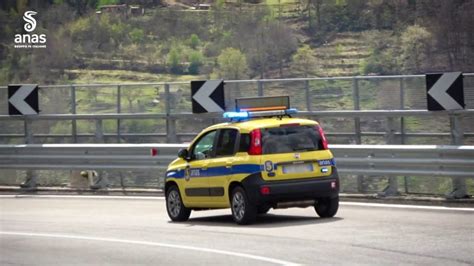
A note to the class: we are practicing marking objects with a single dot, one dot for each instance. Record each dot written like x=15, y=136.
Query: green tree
x=415, y=42
x=174, y=61
x=232, y=64
x=195, y=62
x=136, y=35
x=383, y=59
x=304, y=62
x=107, y=2
x=194, y=41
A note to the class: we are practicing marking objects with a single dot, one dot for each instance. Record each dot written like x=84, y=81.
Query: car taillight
x=265, y=190
x=255, y=142
x=324, y=141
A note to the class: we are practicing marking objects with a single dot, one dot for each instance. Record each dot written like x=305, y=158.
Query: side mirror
x=183, y=154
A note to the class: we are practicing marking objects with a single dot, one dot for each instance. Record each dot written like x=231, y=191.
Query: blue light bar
x=244, y=115
x=291, y=111
x=236, y=115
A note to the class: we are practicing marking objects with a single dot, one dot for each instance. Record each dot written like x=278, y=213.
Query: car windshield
x=290, y=139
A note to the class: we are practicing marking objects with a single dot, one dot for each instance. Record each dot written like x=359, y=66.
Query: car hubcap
x=238, y=204
x=174, y=203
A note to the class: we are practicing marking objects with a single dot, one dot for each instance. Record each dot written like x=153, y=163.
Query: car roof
x=249, y=125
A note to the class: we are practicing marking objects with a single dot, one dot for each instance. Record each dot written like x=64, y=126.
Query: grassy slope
x=343, y=55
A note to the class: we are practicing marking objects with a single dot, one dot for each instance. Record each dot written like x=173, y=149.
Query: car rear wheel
x=327, y=207
x=175, y=207
x=243, y=211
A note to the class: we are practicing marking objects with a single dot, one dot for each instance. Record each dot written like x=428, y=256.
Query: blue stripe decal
x=246, y=168
x=175, y=174
x=217, y=171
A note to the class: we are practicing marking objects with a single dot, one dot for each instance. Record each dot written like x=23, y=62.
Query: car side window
x=226, y=142
x=204, y=147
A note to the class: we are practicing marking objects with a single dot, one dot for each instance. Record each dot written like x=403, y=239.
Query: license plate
x=297, y=168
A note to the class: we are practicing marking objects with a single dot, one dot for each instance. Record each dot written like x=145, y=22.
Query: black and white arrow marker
x=445, y=91
x=208, y=96
x=23, y=99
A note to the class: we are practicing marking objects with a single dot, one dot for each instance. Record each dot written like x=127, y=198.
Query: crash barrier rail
x=394, y=131
x=394, y=161
x=402, y=96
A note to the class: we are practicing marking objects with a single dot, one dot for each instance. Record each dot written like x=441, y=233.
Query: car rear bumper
x=291, y=190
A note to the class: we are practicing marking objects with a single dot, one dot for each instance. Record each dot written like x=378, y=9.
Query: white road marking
x=83, y=197
x=347, y=203
x=402, y=206
x=154, y=244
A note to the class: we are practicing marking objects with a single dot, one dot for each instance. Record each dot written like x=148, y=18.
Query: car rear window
x=290, y=139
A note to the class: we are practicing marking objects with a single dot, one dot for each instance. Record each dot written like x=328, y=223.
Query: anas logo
x=30, y=40
x=30, y=24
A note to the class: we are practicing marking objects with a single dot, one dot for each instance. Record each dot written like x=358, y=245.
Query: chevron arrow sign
x=445, y=91
x=207, y=96
x=23, y=99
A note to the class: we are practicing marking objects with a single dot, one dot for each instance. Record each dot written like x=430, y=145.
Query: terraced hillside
x=342, y=55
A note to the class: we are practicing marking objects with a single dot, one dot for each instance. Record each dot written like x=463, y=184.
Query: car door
x=222, y=164
x=196, y=185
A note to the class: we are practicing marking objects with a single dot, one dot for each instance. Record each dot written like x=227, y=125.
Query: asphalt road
x=111, y=231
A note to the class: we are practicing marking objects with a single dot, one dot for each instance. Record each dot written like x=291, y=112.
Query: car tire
x=175, y=207
x=327, y=207
x=243, y=211
x=263, y=209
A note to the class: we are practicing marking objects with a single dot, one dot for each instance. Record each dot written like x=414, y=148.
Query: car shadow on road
x=263, y=221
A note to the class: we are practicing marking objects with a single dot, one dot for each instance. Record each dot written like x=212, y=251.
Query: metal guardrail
x=87, y=156
x=173, y=117
x=399, y=160
x=392, y=129
x=384, y=160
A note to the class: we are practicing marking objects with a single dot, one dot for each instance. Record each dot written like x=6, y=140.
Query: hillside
x=173, y=39
x=343, y=55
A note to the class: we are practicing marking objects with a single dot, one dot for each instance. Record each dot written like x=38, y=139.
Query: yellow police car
x=263, y=158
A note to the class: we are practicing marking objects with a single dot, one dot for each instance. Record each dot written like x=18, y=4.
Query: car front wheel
x=327, y=207
x=175, y=207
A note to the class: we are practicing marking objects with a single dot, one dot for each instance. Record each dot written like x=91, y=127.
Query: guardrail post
x=170, y=122
x=99, y=131
x=402, y=125
x=457, y=138
x=119, y=110
x=73, y=111
x=356, y=101
x=308, y=95
x=260, y=88
x=101, y=182
x=31, y=175
x=390, y=131
x=402, y=107
x=392, y=188
x=357, y=130
x=29, y=139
